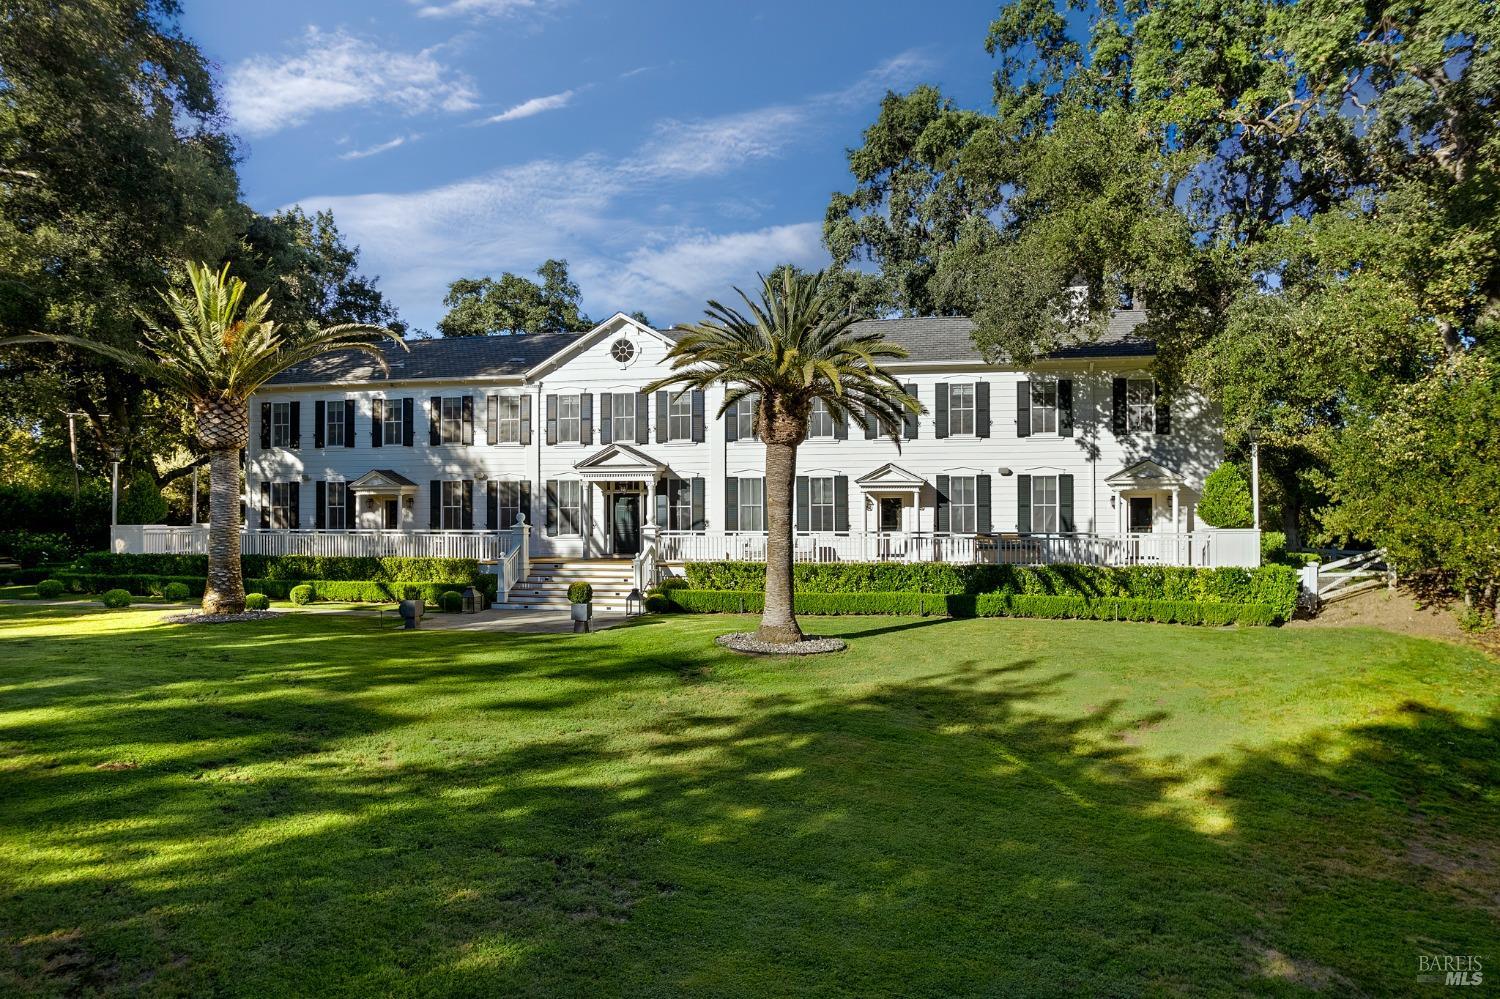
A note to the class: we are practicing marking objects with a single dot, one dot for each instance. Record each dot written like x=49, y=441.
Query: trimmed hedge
x=257, y=601
x=49, y=588
x=981, y=605
x=115, y=599
x=1273, y=585
x=348, y=590
x=294, y=568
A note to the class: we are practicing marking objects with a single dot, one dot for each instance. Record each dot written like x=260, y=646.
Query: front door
x=1140, y=514
x=390, y=514
x=625, y=521
x=890, y=514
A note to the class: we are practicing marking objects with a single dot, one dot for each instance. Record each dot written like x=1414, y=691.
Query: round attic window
x=622, y=350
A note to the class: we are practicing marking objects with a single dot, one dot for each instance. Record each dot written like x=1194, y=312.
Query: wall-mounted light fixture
x=1005, y=471
x=481, y=477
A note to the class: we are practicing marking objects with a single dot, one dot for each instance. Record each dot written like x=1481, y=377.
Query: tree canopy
x=513, y=304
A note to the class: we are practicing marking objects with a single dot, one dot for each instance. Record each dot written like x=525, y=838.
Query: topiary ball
x=452, y=601
x=672, y=583
x=176, y=592
x=257, y=601
x=580, y=593
x=302, y=595
x=115, y=599
x=49, y=588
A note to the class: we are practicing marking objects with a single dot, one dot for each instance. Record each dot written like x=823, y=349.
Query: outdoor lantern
x=633, y=603
x=471, y=600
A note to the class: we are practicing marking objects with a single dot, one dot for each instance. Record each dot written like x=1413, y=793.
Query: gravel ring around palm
x=746, y=642
x=222, y=618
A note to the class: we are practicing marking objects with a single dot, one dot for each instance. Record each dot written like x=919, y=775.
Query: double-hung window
x=1044, y=505
x=508, y=420
x=569, y=419
x=752, y=504
x=333, y=423
x=963, y=505
x=1140, y=405
x=392, y=429
x=961, y=409
x=679, y=505
x=281, y=424
x=820, y=511
x=453, y=506
x=283, y=505
x=680, y=417
x=570, y=503
x=622, y=416
x=1044, y=406
x=507, y=505
x=452, y=424
x=335, y=513
x=744, y=418
x=820, y=420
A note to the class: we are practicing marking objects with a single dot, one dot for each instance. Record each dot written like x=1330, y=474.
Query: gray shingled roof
x=949, y=338
x=931, y=339
x=449, y=357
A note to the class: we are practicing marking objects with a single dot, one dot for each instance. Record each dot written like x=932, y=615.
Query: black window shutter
x=1163, y=414
x=982, y=504
x=700, y=494
x=1023, y=504
x=434, y=420
x=468, y=504
x=1023, y=409
x=320, y=414
x=296, y=514
x=377, y=426
x=320, y=517
x=585, y=418
x=606, y=419
x=349, y=423
x=731, y=504
x=491, y=504
x=492, y=419
x=351, y=510
x=526, y=500
x=1118, y=419
x=982, y=408
x=840, y=426
x=941, y=524
x=1065, y=504
x=841, y=502
x=551, y=422
x=552, y=507
x=911, y=418
x=698, y=429
x=468, y=419
x=732, y=421
x=265, y=505
x=642, y=418
x=265, y=426
x=407, y=436
x=296, y=424
x=661, y=503
x=872, y=425
x=435, y=498
x=525, y=419
x=940, y=413
x=1065, y=407
x=804, y=503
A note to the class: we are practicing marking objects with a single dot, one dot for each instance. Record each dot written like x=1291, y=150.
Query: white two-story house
x=1076, y=457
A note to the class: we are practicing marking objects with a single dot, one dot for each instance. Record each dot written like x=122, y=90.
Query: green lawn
x=314, y=806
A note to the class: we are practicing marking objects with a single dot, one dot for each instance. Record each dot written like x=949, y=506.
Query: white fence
x=485, y=546
x=1199, y=548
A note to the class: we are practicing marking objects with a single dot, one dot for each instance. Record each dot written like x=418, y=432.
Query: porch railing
x=515, y=564
x=1198, y=548
x=485, y=546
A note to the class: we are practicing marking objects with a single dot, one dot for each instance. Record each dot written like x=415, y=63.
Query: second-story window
x=391, y=429
x=820, y=421
x=333, y=423
x=453, y=421
x=508, y=421
x=1044, y=407
x=569, y=418
x=622, y=416
x=1140, y=405
x=744, y=416
x=680, y=417
x=961, y=409
x=281, y=424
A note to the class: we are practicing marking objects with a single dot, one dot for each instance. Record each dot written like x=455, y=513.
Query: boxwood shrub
x=451, y=601
x=302, y=594
x=294, y=568
x=115, y=599
x=50, y=588
x=257, y=601
x=177, y=592
x=351, y=590
x=1273, y=585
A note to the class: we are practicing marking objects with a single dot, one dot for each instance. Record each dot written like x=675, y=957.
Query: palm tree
x=216, y=356
x=796, y=346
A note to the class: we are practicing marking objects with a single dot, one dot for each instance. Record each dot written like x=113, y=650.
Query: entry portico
x=627, y=478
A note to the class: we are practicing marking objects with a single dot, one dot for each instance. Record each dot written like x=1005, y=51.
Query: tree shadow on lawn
x=625, y=824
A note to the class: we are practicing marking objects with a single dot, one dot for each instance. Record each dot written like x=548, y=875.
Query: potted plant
x=581, y=596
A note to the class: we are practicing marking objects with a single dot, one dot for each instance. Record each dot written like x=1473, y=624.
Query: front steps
x=547, y=586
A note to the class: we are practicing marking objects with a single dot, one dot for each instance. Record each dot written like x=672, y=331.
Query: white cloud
x=400, y=140
x=537, y=105
x=477, y=8
x=336, y=70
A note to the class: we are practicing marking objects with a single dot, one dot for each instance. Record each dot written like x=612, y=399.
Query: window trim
x=284, y=424
x=281, y=511
x=452, y=498
x=444, y=420
x=965, y=509
x=576, y=398
x=820, y=409
x=685, y=402
x=392, y=422
x=1039, y=411
x=504, y=488
x=616, y=421
x=330, y=408
x=341, y=488
x=1140, y=417
x=971, y=410
x=829, y=506
x=563, y=487
x=501, y=399
x=744, y=417
x=756, y=509
x=1038, y=506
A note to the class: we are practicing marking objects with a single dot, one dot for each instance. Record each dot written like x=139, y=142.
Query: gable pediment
x=1145, y=474
x=890, y=476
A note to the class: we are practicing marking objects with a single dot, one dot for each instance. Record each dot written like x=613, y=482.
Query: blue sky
x=668, y=150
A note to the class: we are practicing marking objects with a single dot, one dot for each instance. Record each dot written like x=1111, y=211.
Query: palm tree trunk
x=225, y=592
x=778, y=622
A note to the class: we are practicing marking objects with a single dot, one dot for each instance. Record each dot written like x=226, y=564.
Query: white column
x=1176, y=505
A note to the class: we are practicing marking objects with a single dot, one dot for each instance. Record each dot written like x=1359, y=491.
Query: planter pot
x=582, y=614
x=411, y=612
